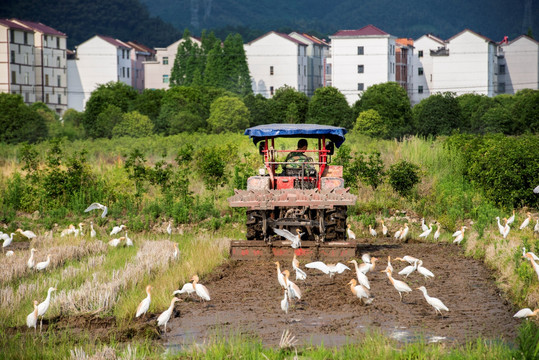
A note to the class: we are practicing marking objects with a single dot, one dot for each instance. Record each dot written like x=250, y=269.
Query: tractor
x=297, y=190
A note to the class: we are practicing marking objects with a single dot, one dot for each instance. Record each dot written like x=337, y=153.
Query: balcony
x=442, y=51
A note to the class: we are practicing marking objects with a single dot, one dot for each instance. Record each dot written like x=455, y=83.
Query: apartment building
x=275, y=60
x=17, y=70
x=404, y=50
x=362, y=58
x=139, y=55
x=518, y=65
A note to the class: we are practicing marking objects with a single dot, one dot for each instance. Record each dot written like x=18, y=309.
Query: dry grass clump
x=14, y=267
x=102, y=291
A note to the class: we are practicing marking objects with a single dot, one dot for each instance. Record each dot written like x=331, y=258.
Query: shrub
x=403, y=176
x=133, y=124
x=228, y=114
x=370, y=123
x=370, y=171
x=185, y=121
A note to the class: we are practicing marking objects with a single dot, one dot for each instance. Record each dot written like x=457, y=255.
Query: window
x=360, y=69
x=26, y=38
x=26, y=59
x=46, y=79
x=26, y=97
x=360, y=50
x=271, y=70
x=12, y=35
x=420, y=89
x=59, y=80
x=420, y=53
x=165, y=60
x=165, y=79
x=13, y=56
x=123, y=53
x=47, y=98
x=501, y=70
x=501, y=88
x=419, y=71
x=127, y=72
x=13, y=77
x=26, y=79
x=271, y=90
x=305, y=70
x=360, y=86
x=59, y=99
x=58, y=46
x=57, y=61
x=299, y=69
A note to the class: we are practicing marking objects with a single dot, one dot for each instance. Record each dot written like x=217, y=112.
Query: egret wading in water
x=145, y=304
x=165, y=315
x=436, y=303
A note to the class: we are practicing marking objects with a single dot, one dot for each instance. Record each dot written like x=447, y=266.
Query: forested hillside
x=127, y=20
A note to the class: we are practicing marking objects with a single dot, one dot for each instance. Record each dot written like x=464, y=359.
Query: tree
x=329, y=106
x=392, y=103
x=113, y=93
x=107, y=120
x=371, y=124
x=181, y=98
x=18, y=122
x=149, y=103
x=472, y=108
x=238, y=79
x=403, y=176
x=228, y=114
x=185, y=121
x=70, y=126
x=188, y=63
x=438, y=114
x=281, y=101
x=526, y=111
x=215, y=72
x=133, y=124
x=259, y=108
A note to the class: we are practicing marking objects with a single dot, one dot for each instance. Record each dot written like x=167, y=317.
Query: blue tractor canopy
x=261, y=132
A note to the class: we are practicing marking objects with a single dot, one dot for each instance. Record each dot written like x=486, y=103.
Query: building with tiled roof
x=139, y=55
x=317, y=51
x=518, y=65
x=99, y=60
x=17, y=70
x=276, y=60
x=50, y=64
x=362, y=58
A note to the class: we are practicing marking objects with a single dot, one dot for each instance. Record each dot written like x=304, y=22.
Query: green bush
x=133, y=124
x=228, y=114
x=370, y=123
x=370, y=171
x=403, y=176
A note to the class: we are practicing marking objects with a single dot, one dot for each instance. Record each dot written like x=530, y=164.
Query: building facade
x=404, y=67
x=157, y=71
x=17, y=63
x=276, y=60
x=360, y=59
x=50, y=65
x=316, y=50
x=97, y=61
x=139, y=54
x=518, y=65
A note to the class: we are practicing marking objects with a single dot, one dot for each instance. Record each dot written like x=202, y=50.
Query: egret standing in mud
x=293, y=290
x=424, y=271
x=144, y=305
x=280, y=276
x=165, y=315
x=400, y=286
x=284, y=302
x=436, y=303
x=526, y=313
x=186, y=288
x=200, y=289
x=361, y=277
x=360, y=291
x=300, y=274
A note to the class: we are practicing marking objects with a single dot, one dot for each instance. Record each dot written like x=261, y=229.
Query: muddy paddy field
x=246, y=296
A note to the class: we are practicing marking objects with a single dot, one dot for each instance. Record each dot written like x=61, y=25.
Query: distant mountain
x=127, y=20
x=410, y=18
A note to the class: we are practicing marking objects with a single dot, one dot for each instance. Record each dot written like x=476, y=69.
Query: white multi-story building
x=466, y=63
x=98, y=60
x=276, y=60
x=157, y=72
x=50, y=65
x=518, y=65
x=139, y=55
x=361, y=58
x=17, y=71
x=316, y=49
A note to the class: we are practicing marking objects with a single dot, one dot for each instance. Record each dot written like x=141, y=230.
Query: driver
x=296, y=158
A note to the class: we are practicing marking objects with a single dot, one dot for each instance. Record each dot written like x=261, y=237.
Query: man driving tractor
x=296, y=158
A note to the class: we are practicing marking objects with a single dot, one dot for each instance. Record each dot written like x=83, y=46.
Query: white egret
x=7, y=240
x=9, y=253
x=424, y=227
x=536, y=227
x=534, y=264
x=424, y=271
x=460, y=236
x=366, y=266
x=92, y=230
x=526, y=313
x=200, y=289
x=407, y=258
x=408, y=270
x=97, y=206
x=350, y=233
x=400, y=286
x=425, y=234
x=28, y=233
x=330, y=269
x=186, y=288
x=128, y=241
x=506, y=230
x=384, y=229
x=511, y=219
x=300, y=274
x=398, y=233
x=500, y=226
x=293, y=290
x=360, y=291
x=459, y=231
x=372, y=231
x=165, y=315
x=31, y=319
x=389, y=266
x=44, y=306
x=404, y=233
x=361, y=277
x=79, y=230
x=437, y=233
x=169, y=228
x=117, y=229
x=70, y=230
x=526, y=221
x=436, y=303
x=44, y=264
x=116, y=242
x=280, y=276
x=296, y=239
x=144, y=305
x=536, y=190
x=284, y=302
x=31, y=261
x=524, y=252
x=176, y=252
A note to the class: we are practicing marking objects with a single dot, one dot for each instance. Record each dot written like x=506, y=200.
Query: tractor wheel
x=254, y=225
x=335, y=221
